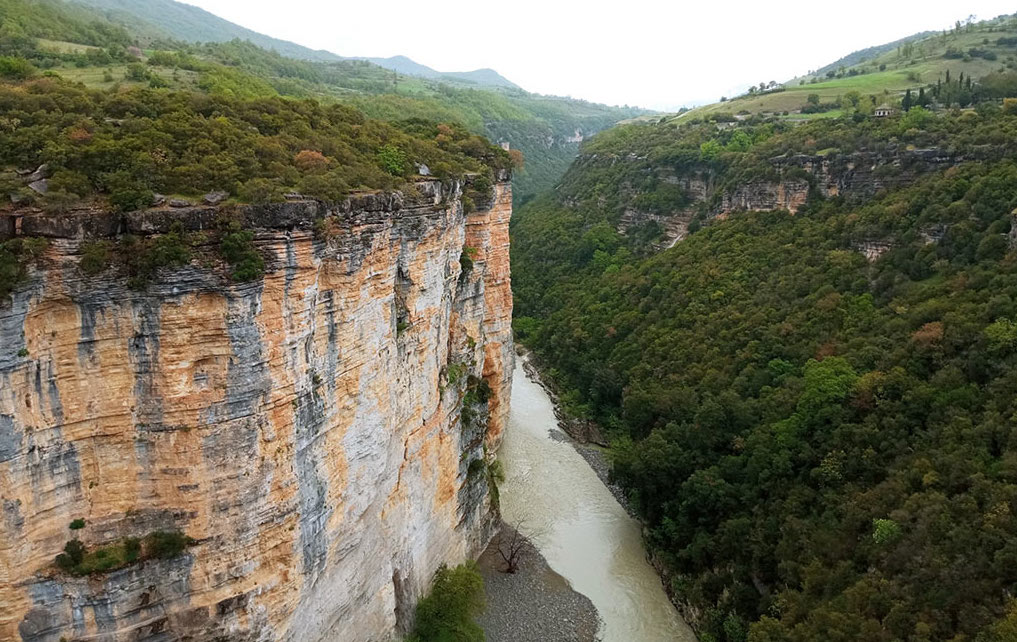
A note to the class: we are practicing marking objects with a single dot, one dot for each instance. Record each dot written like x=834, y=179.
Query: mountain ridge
x=191, y=23
x=407, y=66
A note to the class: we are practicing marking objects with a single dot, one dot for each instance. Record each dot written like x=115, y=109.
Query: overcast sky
x=660, y=54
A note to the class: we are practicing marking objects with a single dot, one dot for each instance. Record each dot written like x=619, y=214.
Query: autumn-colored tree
x=518, y=160
x=308, y=160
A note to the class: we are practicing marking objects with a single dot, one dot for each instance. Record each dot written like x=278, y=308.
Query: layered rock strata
x=854, y=176
x=314, y=430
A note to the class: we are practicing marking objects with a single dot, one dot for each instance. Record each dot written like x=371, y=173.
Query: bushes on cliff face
x=447, y=614
x=140, y=258
x=822, y=447
x=15, y=257
x=79, y=561
x=237, y=247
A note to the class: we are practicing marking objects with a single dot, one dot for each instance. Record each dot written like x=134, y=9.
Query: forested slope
x=110, y=47
x=816, y=414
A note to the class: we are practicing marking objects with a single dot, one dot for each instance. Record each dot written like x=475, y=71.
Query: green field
x=60, y=46
x=96, y=76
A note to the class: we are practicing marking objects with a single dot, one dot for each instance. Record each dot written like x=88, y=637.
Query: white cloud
x=654, y=54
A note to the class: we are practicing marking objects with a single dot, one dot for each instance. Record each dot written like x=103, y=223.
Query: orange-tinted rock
x=302, y=428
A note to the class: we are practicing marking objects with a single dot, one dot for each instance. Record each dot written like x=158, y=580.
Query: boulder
x=423, y=170
x=39, y=174
x=214, y=198
x=179, y=202
x=158, y=200
x=40, y=186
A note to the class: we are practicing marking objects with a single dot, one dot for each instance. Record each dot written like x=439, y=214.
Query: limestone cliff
x=309, y=429
x=788, y=185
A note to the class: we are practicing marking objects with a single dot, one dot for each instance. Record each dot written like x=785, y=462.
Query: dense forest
x=823, y=446
x=130, y=145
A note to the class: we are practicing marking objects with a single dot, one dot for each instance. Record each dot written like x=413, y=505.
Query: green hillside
x=883, y=74
x=51, y=34
x=823, y=447
x=188, y=23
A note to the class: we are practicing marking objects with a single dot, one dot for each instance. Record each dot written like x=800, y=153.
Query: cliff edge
x=319, y=433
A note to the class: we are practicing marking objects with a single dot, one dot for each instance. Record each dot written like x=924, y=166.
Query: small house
x=883, y=111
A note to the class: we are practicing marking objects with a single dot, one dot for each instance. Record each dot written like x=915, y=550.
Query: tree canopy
x=822, y=446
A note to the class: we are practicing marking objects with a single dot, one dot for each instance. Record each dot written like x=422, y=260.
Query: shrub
x=466, y=258
x=163, y=544
x=75, y=551
x=132, y=549
x=237, y=247
x=77, y=524
x=454, y=372
x=15, y=256
x=447, y=614
x=476, y=467
x=96, y=256
x=310, y=161
x=143, y=257
x=392, y=160
x=127, y=193
x=136, y=72
x=77, y=560
x=16, y=68
x=260, y=190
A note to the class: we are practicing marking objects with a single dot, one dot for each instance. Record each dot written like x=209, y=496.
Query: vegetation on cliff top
x=128, y=145
x=822, y=447
x=112, y=51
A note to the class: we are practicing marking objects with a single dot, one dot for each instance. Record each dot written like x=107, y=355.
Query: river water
x=553, y=496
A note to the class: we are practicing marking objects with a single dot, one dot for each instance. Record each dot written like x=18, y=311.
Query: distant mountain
x=188, y=23
x=406, y=66
x=485, y=76
x=191, y=24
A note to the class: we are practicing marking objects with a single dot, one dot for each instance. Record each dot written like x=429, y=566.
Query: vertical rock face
x=317, y=431
x=793, y=179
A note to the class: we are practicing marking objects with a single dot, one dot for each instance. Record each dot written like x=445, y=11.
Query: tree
x=447, y=614
x=309, y=160
x=512, y=547
x=906, y=103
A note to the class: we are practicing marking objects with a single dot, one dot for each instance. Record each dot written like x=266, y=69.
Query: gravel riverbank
x=535, y=604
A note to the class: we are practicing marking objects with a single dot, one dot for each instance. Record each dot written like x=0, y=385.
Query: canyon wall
x=314, y=431
x=855, y=176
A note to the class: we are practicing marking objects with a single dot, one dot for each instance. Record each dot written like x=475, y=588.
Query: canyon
x=318, y=432
x=787, y=186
